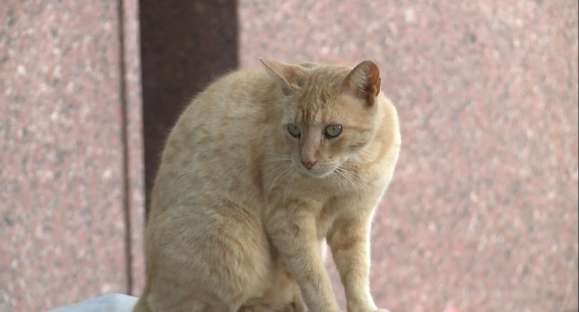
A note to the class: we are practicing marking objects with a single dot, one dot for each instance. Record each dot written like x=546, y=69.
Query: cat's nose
x=309, y=164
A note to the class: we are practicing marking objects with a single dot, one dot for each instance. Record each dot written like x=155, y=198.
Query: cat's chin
x=317, y=174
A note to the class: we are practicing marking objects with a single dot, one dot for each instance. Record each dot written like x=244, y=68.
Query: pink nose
x=309, y=164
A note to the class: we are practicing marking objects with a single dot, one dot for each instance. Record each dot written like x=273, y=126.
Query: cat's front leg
x=349, y=240
x=293, y=233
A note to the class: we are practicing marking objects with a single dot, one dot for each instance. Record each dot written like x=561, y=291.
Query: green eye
x=294, y=130
x=333, y=131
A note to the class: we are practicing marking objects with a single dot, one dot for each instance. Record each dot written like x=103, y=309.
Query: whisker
x=281, y=172
x=349, y=177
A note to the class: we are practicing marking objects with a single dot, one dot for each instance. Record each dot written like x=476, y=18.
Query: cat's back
x=217, y=139
x=231, y=113
x=230, y=105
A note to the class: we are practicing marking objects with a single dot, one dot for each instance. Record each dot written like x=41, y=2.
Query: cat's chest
x=331, y=210
x=325, y=221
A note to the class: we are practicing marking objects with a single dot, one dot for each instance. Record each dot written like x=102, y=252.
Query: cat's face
x=323, y=138
x=327, y=122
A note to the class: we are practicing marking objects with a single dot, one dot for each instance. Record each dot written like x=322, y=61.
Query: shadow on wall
x=184, y=45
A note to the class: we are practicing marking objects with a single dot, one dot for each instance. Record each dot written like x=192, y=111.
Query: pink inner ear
x=364, y=81
x=292, y=75
x=374, y=81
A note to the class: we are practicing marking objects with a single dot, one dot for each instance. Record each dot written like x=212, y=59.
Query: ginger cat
x=260, y=170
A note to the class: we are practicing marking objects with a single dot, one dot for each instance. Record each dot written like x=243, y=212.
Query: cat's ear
x=288, y=76
x=363, y=81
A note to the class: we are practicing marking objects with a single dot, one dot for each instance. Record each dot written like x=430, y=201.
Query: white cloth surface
x=105, y=303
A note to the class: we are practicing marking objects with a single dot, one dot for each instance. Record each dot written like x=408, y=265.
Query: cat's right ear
x=288, y=76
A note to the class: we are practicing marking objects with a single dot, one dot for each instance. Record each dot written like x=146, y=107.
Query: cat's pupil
x=294, y=130
x=333, y=131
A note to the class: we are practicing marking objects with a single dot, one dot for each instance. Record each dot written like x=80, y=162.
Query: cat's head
x=329, y=113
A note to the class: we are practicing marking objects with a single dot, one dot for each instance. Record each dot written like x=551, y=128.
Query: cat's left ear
x=289, y=76
x=363, y=82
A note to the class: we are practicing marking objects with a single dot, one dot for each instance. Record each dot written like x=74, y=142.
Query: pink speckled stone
x=135, y=167
x=483, y=208
x=71, y=170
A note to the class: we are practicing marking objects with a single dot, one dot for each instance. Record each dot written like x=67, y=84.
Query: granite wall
x=481, y=216
x=71, y=169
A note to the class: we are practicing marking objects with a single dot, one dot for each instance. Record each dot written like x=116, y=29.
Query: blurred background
x=482, y=213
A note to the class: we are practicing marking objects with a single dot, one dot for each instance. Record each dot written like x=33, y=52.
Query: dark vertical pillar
x=184, y=45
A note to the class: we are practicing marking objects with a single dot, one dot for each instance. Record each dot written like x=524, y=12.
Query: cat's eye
x=333, y=131
x=294, y=130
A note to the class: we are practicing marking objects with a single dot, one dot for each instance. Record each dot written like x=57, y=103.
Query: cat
x=260, y=170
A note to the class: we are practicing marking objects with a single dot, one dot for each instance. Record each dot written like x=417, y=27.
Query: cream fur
x=237, y=224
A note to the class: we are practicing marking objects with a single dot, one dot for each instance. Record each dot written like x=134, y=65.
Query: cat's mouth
x=318, y=173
